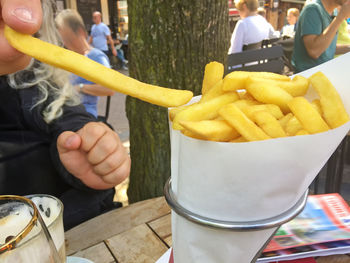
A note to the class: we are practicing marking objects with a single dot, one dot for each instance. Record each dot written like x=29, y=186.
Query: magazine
x=321, y=229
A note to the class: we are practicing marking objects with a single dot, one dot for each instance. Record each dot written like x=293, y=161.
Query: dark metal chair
x=264, y=59
x=104, y=118
x=330, y=179
x=252, y=46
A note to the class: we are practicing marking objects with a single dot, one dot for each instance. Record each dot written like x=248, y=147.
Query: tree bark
x=170, y=42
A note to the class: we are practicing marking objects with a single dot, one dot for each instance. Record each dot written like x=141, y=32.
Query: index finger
x=24, y=16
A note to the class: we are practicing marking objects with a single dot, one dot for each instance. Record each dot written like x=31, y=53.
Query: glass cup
x=24, y=236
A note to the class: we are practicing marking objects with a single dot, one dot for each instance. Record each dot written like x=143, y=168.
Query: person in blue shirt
x=100, y=34
x=72, y=30
x=316, y=35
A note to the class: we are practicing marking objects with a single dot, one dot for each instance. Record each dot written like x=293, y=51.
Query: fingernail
x=70, y=140
x=24, y=15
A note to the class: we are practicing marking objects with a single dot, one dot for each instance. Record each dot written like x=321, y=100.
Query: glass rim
x=11, y=244
x=52, y=197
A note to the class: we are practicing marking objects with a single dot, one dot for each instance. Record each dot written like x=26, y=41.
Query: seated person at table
x=292, y=18
x=316, y=35
x=252, y=28
x=72, y=30
x=49, y=144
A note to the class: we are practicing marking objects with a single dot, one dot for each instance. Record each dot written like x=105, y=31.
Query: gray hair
x=51, y=81
x=70, y=18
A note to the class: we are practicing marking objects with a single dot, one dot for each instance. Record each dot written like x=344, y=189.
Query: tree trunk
x=170, y=43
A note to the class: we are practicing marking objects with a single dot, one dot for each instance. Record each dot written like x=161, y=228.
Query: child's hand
x=24, y=16
x=95, y=155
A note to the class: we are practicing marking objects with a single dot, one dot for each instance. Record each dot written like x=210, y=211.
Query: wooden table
x=137, y=233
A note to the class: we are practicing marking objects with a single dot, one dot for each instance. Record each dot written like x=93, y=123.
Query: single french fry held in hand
x=236, y=80
x=332, y=106
x=309, y=118
x=213, y=72
x=270, y=94
x=269, y=124
x=237, y=119
x=203, y=111
x=95, y=72
x=211, y=130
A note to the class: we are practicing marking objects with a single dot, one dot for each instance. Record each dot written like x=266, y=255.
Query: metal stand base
x=235, y=226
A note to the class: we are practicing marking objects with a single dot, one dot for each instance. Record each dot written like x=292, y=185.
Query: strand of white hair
x=49, y=80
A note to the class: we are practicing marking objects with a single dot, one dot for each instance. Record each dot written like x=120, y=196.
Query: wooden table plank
x=97, y=254
x=138, y=245
x=162, y=226
x=114, y=222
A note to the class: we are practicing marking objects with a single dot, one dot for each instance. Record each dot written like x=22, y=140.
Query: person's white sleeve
x=272, y=32
x=237, y=39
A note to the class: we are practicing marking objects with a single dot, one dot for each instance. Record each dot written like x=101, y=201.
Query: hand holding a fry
x=95, y=155
x=24, y=16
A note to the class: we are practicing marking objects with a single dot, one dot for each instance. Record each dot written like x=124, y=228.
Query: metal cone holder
x=273, y=222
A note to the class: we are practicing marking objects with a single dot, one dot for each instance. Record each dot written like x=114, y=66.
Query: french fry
x=332, y=106
x=237, y=79
x=317, y=106
x=302, y=132
x=274, y=110
x=192, y=135
x=213, y=72
x=239, y=139
x=203, y=111
x=95, y=72
x=244, y=95
x=176, y=110
x=284, y=120
x=245, y=103
x=269, y=124
x=212, y=130
x=237, y=119
x=298, y=86
x=213, y=92
x=270, y=94
x=309, y=118
x=293, y=126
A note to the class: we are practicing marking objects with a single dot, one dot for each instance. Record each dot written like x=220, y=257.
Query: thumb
x=22, y=15
x=68, y=141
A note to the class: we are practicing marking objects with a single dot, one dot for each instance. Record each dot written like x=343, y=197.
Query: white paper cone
x=247, y=181
x=196, y=243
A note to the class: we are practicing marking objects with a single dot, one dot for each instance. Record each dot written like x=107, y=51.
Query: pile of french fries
x=252, y=106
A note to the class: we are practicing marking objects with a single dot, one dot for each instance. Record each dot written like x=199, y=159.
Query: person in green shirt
x=316, y=35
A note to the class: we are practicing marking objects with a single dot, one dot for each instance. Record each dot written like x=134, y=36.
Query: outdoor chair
x=104, y=118
x=264, y=59
x=252, y=46
x=330, y=178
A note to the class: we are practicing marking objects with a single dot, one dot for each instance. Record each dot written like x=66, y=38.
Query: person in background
x=100, y=35
x=343, y=33
x=49, y=144
x=72, y=30
x=292, y=19
x=262, y=12
x=251, y=28
x=316, y=35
